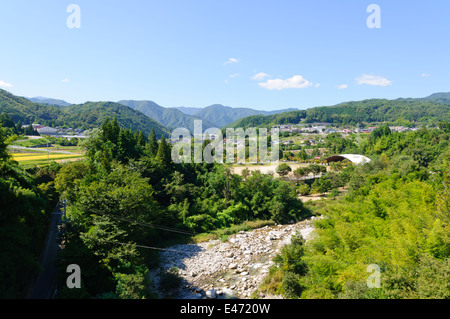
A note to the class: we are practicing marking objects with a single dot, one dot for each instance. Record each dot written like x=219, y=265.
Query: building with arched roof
x=354, y=158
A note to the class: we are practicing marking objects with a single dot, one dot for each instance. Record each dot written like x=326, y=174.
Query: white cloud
x=373, y=80
x=232, y=60
x=342, y=86
x=5, y=85
x=65, y=80
x=295, y=82
x=260, y=76
x=235, y=75
x=317, y=85
x=425, y=75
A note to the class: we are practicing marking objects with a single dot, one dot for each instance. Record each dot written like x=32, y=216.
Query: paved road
x=46, y=282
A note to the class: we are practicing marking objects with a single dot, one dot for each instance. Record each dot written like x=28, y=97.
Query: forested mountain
x=442, y=98
x=215, y=115
x=223, y=115
x=93, y=114
x=26, y=111
x=50, y=101
x=145, y=115
x=170, y=117
x=188, y=110
x=86, y=116
x=426, y=110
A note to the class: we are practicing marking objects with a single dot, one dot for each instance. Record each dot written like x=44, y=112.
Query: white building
x=47, y=130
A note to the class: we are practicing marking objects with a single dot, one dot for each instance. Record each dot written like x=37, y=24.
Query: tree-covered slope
x=366, y=111
x=85, y=116
x=223, y=115
x=50, y=101
x=93, y=114
x=26, y=111
x=169, y=117
x=441, y=98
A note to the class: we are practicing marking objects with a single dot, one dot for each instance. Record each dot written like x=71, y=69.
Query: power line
x=165, y=228
x=149, y=247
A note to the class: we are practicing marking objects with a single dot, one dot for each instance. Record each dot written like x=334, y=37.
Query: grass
x=31, y=143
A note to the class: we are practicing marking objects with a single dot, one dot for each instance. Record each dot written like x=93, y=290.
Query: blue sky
x=263, y=54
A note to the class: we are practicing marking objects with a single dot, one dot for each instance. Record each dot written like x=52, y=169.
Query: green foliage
x=283, y=169
x=26, y=200
x=4, y=155
x=304, y=189
x=131, y=286
x=285, y=277
x=395, y=215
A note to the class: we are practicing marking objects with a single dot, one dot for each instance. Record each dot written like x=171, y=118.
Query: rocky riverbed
x=228, y=269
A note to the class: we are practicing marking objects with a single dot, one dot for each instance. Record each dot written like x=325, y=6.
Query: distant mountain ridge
x=222, y=115
x=146, y=115
x=188, y=110
x=216, y=115
x=86, y=116
x=169, y=117
x=49, y=101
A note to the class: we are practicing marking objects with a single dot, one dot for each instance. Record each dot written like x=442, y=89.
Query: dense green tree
x=152, y=145
x=164, y=152
x=27, y=198
x=283, y=169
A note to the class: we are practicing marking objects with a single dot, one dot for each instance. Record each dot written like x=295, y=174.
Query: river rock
x=211, y=294
x=233, y=266
x=215, y=263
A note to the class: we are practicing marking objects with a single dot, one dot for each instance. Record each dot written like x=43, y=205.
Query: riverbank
x=227, y=269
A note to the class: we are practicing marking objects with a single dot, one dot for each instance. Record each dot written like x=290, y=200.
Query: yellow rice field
x=23, y=157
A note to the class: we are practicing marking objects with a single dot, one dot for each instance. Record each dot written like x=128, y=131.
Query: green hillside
x=222, y=115
x=424, y=111
x=441, y=98
x=20, y=108
x=93, y=114
x=169, y=117
x=50, y=101
x=84, y=116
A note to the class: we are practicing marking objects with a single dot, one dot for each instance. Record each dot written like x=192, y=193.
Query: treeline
x=27, y=197
x=12, y=128
x=400, y=111
x=395, y=216
x=128, y=195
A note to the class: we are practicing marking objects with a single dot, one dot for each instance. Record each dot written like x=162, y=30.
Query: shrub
x=291, y=285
